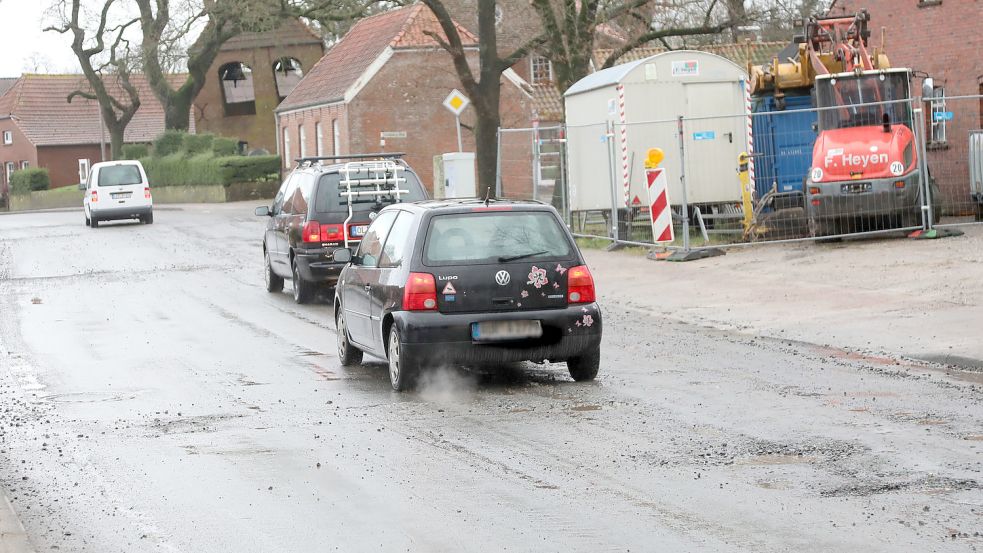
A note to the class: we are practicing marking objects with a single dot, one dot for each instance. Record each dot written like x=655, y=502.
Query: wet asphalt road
x=153, y=397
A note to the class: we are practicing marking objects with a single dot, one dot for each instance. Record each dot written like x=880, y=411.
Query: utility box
x=615, y=115
x=454, y=175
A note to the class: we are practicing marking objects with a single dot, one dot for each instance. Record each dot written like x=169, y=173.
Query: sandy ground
x=155, y=398
x=921, y=299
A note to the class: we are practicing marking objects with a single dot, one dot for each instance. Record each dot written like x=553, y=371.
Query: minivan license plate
x=359, y=230
x=120, y=195
x=493, y=331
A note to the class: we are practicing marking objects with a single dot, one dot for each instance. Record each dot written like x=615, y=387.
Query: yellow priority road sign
x=456, y=102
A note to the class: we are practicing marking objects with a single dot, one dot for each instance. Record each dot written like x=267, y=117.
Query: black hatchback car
x=321, y=207
x=467, y=282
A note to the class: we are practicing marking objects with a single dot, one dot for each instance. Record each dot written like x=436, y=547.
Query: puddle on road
x=776, y=460
x=89, y=397
x=586, y=408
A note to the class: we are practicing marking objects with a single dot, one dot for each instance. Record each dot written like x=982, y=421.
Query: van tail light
x=332, y=233
x=312, y=232
x=580, y=285
x=420, y=293
x=95, y=196
x=146, y=192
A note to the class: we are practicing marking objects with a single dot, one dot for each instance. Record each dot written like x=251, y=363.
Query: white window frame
x=938, y=128
x=11, y=167
x=319, y=132
x=286, y=147
x=336, y=142
x=8, y=137
x=302, y=138
x=533, y=61
x=25, y=164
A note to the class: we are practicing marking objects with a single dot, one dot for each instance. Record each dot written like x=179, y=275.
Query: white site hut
x=638, y=103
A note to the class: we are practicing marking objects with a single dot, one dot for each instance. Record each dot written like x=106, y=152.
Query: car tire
x=584, y=367
x=88, y=222
x=95, y=222
x=403, y=367
x=148, y=219
x=274, y=282
x=347, y=353
x=303, y=290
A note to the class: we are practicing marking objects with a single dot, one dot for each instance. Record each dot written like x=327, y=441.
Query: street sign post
x=456, y=102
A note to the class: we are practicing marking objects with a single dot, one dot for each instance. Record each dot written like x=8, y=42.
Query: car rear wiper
x=520, y=256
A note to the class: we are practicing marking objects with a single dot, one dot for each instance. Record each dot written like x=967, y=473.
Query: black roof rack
x=380, y=155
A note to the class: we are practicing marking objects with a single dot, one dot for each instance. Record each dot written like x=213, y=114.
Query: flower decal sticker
x=524, y=294
x=588, y=320
x=537, y=277
x=560, y=268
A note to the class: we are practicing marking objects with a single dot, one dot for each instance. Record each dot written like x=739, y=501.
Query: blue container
x=784, y=140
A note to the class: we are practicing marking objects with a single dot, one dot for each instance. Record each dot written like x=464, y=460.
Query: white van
x=117, y=190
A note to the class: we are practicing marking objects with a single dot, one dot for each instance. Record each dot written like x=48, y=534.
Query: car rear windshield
x=119, y=175
x=495, y=237
x=328, y=196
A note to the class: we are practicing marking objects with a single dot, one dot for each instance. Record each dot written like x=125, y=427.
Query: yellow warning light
x=655, y=157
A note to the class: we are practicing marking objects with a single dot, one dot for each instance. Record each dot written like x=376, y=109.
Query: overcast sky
x=25, y=48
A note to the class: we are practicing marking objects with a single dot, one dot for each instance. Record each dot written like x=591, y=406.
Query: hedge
x=205, y=169
x=222, y=146
x=198, y=143
x=169, y=142
x=135, y=151
x=29, y=180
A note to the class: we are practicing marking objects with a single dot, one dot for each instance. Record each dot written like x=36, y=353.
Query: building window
x=320, y=139
x=938, y=116
x=11, y=167
x=8, y=137
x=336, y=138
x=238, y=93
x=25, y=165
x=287, y=72
x=542, y=71
x=286, y=147
x=926, y=3
x=302, y=138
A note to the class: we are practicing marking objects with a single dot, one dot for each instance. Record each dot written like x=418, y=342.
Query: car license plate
x=359, y=230
x=855, y=188
x=492, y=331
x=120, y=195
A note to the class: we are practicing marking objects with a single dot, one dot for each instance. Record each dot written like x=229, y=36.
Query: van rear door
x=123, y=185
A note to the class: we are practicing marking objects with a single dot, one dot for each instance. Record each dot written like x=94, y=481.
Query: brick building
x=39, y=128
x=251, y=75
x=387, y=79
x=940, y=38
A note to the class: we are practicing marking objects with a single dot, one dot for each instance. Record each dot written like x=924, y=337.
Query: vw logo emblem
x=502, y=278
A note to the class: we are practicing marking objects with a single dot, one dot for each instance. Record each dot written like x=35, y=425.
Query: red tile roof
x=6, y=84
x=349, y=59
x=739, y=53
x=39, y=105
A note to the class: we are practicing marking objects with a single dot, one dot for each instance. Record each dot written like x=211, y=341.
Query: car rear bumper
x=446, y=338
x=884, y=198
x=316, y=267
x=121, y=212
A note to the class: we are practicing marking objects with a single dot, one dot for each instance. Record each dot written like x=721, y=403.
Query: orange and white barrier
x=658, y=195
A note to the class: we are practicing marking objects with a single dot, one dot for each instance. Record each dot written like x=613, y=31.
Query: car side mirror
x=81, y=186
x=343, y=255
x=263, y=211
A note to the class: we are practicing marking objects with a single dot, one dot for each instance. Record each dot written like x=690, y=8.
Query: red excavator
x=865, y=162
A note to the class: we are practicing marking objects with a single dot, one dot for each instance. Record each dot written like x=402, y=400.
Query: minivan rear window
x=119, y=175
x=495, y=237
x=329, y=199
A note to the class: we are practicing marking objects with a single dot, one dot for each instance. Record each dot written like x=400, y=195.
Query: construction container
x=614, y=116
x=783, y=141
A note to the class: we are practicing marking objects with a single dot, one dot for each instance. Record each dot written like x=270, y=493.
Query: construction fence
x=736, y=179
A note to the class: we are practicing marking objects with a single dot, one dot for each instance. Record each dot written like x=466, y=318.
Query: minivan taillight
x=580, y=285
x=146, y=192
x=420, y=293
x=95, y=196
x=312, y=232
x=332, y=233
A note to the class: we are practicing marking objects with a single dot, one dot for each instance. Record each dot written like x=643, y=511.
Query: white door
x=715, y=134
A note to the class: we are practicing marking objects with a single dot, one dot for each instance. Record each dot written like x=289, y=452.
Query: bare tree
x=485, y=89
x=103, y=63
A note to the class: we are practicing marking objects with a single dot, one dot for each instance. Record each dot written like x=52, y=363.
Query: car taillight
x=420, y=293
x=312, y=232
x=95, y=196
x=332, y=233
x=580, y=285
x=146, y=192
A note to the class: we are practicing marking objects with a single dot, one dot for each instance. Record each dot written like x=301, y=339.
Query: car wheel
x=303, y=290
x=148, y=219
x=403, y=369
x=274, y=282
x=585, y=367
x=347, y=353
x=88, y=222
x=95, y=222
